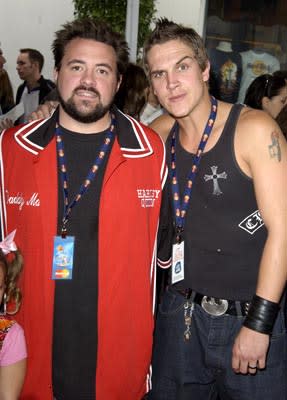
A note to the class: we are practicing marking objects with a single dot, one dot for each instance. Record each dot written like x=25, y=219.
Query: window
x=244, y=39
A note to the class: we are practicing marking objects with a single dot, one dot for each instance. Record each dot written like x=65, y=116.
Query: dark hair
x=12, y=266
x=281, y=74
x=88, y=28
x=166, y=30
x=281, y=120
x=34, y=56
x=131, y=96
x=263, y=86
x=6, y=92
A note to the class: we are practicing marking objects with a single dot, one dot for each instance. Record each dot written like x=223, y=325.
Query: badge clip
x=64, y=233
x=64, y=229
x=178, y=234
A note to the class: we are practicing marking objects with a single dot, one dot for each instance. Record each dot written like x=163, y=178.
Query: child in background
x=13, y=352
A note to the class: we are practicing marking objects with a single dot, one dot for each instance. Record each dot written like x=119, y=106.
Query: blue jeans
x=200, y=368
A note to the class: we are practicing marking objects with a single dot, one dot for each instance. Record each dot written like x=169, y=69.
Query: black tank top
x=224, y=232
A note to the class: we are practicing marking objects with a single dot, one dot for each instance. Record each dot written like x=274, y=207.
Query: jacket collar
x=131, y=135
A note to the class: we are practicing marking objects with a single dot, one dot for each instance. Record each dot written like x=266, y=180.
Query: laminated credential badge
x=63, y=257
x=177, y=272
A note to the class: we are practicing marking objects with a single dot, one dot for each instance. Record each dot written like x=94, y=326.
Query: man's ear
x=119, y=82
x=265, y=103
x=206, y=72
x=36, y=66
x=55, y=74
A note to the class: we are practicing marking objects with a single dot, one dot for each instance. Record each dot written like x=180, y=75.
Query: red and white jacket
x=128, y=223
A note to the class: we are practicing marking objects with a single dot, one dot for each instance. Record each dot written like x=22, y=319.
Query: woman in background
x=132, y=94
x=268, y=93
x=6, y=92
x=281, y=120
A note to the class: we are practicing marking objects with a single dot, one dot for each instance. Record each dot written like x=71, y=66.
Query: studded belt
x=215, y=306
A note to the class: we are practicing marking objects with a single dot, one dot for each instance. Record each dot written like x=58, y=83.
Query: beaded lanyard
x=91, y=174
x=181, y=209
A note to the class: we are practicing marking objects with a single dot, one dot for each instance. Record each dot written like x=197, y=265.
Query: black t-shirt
x=75, y=307
x=225, y=75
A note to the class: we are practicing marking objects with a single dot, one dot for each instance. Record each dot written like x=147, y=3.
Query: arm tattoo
x=274, y=147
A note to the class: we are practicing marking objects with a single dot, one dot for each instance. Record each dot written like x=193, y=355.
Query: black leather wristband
x=261, y=315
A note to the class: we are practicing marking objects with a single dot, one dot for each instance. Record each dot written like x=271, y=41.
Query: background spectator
x=281, y=74
x=35, y=87
x=132, y=95
x=268, y=93
x=281, y=120
x=6, y=91
x=152, y=108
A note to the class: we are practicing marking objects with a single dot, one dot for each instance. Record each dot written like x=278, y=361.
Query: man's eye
x=157, y=74
x=76, y=67
x=182, y=67
x=102, y=71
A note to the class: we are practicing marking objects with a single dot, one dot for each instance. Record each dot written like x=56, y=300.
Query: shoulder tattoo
x=274, y=147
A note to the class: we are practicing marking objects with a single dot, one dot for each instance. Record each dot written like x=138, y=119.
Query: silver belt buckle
x=214, y=306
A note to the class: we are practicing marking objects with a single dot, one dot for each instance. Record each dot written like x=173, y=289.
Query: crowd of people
x=151, y=218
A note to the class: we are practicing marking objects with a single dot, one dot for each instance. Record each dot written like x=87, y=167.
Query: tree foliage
x=114, y=12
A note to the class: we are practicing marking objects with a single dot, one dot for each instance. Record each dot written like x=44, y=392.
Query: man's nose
x=88, y=76
x=171, y=80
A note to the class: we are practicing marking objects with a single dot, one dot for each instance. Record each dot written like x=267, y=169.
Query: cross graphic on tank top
x=215, y=176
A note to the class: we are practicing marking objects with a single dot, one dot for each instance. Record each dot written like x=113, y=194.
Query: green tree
x=114, y=12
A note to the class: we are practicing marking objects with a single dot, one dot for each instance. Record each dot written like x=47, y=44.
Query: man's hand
x=5, y=124
x=44, y=110
x=249, y=351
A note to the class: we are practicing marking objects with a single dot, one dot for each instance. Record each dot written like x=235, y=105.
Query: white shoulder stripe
x=142, y=140
x=164, y=264
x=22, y=136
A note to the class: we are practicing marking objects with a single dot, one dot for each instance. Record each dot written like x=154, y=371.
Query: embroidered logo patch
x=148, y=197
x=252, y=223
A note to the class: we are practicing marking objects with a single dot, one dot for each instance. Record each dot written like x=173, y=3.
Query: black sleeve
x=165, y=232
x=165, y=237
x=51, y=96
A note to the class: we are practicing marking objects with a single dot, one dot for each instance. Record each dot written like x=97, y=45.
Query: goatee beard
x=94, y=115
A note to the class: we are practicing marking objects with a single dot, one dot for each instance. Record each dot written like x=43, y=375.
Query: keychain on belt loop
x=188, y=310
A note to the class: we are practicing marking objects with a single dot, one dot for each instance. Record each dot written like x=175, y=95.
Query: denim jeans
x=200, y=368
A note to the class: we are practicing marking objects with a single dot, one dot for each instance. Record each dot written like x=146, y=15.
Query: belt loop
x=192, y=297
x=238, y=308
